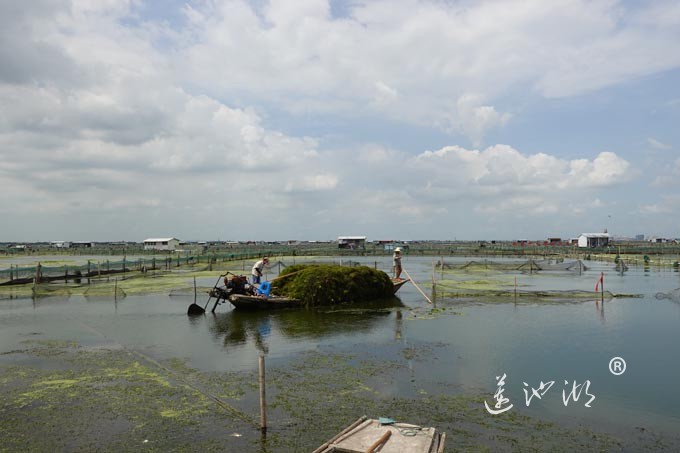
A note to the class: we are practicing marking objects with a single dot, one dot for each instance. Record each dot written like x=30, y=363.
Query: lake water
x=461, y=349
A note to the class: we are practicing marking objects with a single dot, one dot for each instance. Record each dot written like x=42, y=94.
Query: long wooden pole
x=263, y=403
x=417, y=287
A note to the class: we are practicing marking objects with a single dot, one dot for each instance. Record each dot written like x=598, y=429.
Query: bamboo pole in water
x=417, y=287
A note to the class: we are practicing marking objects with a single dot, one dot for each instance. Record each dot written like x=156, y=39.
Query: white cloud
x=474, y=119
x=654, y=143
x=656, y=209
x=605, y=170
x=108, y=115
x=318, y=182
x=418, y=61
x=501, y=166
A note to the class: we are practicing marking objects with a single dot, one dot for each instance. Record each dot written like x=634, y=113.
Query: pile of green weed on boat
x=317, y=285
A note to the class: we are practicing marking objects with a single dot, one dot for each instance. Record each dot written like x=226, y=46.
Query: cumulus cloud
x=134, y=123
x=501, y=166
x=474, y=119
x=501, y=179
x=418, y=61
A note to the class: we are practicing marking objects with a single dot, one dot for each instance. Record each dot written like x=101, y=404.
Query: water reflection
x=599, y=308
x=238, y=327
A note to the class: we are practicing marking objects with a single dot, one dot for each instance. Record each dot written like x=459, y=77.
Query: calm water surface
x=461, y=350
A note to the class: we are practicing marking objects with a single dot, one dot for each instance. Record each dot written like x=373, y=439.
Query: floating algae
x=330, y=285
x=106, y=401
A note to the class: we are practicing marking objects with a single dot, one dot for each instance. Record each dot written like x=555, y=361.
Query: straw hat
x=397, y=250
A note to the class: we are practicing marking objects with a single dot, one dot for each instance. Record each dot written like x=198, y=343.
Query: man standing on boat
x=257, y=270
x=396, y=263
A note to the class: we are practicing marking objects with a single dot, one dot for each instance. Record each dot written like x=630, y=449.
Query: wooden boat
x=249, y=302
x=246, y=302
x=368, y=435
x=398, y=284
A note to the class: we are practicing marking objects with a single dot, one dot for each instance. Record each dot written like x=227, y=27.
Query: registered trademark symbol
x=617, y=366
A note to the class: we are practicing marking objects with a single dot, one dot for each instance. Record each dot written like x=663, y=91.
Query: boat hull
x=243, y=302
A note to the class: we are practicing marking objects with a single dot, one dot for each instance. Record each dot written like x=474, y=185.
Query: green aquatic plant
x=330, y=285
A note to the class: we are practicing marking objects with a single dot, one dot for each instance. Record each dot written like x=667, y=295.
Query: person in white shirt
x=257, y=270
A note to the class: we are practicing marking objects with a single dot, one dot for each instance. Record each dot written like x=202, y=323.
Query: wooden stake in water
x=194, y=289
x=263, y=403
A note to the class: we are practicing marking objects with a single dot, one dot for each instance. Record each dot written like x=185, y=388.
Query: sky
x=312, y=119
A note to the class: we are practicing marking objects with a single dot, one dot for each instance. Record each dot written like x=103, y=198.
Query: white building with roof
x=163, y=244
x=593, y=240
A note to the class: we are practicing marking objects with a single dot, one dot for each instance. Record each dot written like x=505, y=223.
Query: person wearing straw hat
x=396, y=263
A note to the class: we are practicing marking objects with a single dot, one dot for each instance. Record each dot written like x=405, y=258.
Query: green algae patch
x=332, y=390
x=107, y=400
x=110, y=400
x=322, y=284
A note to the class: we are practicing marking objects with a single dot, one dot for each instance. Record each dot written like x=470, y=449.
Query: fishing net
x=47, y=290
x=522, y=266
x=526, y=295
x=104, y=290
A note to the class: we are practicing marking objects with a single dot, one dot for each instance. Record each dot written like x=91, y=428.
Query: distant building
x=352, y=242
x=593, y=240
x=393, y=245
x=82, y=244
x=163, y=244
x=639, y=237
x=60, y=244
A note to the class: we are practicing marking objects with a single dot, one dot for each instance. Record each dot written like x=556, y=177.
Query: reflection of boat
x=385, y=436
x=239, y=327
x=260, y=302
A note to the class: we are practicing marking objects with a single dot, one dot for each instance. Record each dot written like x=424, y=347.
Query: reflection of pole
x=398, y=325
x=263, y=404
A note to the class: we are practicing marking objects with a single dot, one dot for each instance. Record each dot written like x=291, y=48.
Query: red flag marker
x=600, y=281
